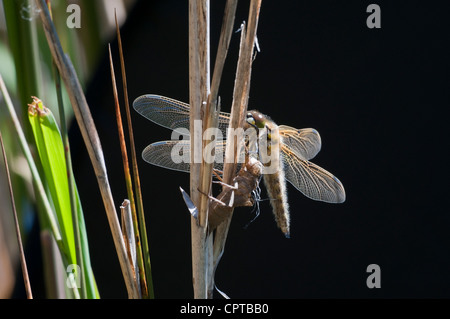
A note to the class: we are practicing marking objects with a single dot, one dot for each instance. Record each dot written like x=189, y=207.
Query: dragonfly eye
x=250, y=119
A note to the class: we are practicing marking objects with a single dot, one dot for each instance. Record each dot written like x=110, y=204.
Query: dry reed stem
x=212, y=107
x=136, y=180
x=238, y=113
x=204, y=256
x=126, y=169
x=201, y=94
x=23, y=262
x=199, y=78
x=130, y=244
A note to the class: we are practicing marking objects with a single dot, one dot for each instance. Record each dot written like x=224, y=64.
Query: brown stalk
x=130, y=244
x=128, y=183
x=212, y=107
x=137, y=183
x=23, y=261
x=212, y=110
x=199, y=76
x=201, y=94
x=238, y=112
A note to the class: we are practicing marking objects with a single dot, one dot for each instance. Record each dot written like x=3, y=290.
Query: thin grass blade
x=23, y=261
x=128, y=182
x=136, y=180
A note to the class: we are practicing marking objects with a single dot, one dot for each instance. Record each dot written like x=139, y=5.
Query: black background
x=378, y=98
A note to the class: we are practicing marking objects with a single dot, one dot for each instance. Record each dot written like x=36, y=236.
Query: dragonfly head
x=256, y=119
x=259, y=121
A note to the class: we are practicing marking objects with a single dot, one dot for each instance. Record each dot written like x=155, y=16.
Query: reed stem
x=128, y=182
x=199, y=79
x=238, y=112
x=23, y=261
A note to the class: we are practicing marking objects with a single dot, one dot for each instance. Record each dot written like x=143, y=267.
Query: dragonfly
x=294, y=150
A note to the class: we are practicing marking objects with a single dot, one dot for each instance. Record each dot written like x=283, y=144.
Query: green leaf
x=49, y=145
x=51, y=152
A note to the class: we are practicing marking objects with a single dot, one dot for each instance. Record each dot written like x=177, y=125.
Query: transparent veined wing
x=175, y=155
x=163, y=111
x=306, y=142
x=160, y=154
x=171, y=113
x=311, y=180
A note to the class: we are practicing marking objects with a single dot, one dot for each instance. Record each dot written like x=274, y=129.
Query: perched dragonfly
x=295, y=148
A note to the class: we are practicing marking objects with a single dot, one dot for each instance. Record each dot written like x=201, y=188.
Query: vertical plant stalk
x=89, y=133
x=128, y=182
x=238, y=113
x=137, y=183
x=202, y=258
x=199, y=77
x=212, y=108
x=70, y=177
x=23, y=261
x=224, y=43
x=130, y=243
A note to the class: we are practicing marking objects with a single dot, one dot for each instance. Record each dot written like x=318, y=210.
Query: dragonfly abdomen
x=275, y=180
x=276, y=190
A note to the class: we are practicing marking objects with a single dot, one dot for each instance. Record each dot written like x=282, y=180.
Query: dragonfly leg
x=257, y=197
x=214, y=199
x=218, y=201
x=226, y=185
x=217, y=173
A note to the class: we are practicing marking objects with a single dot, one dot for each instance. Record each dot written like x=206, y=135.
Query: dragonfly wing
x=176, y=155
x=224, y=122
x=171, y=113
x=163, y=111
x=173, y=155
x=306, y=143
x=313, y=181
